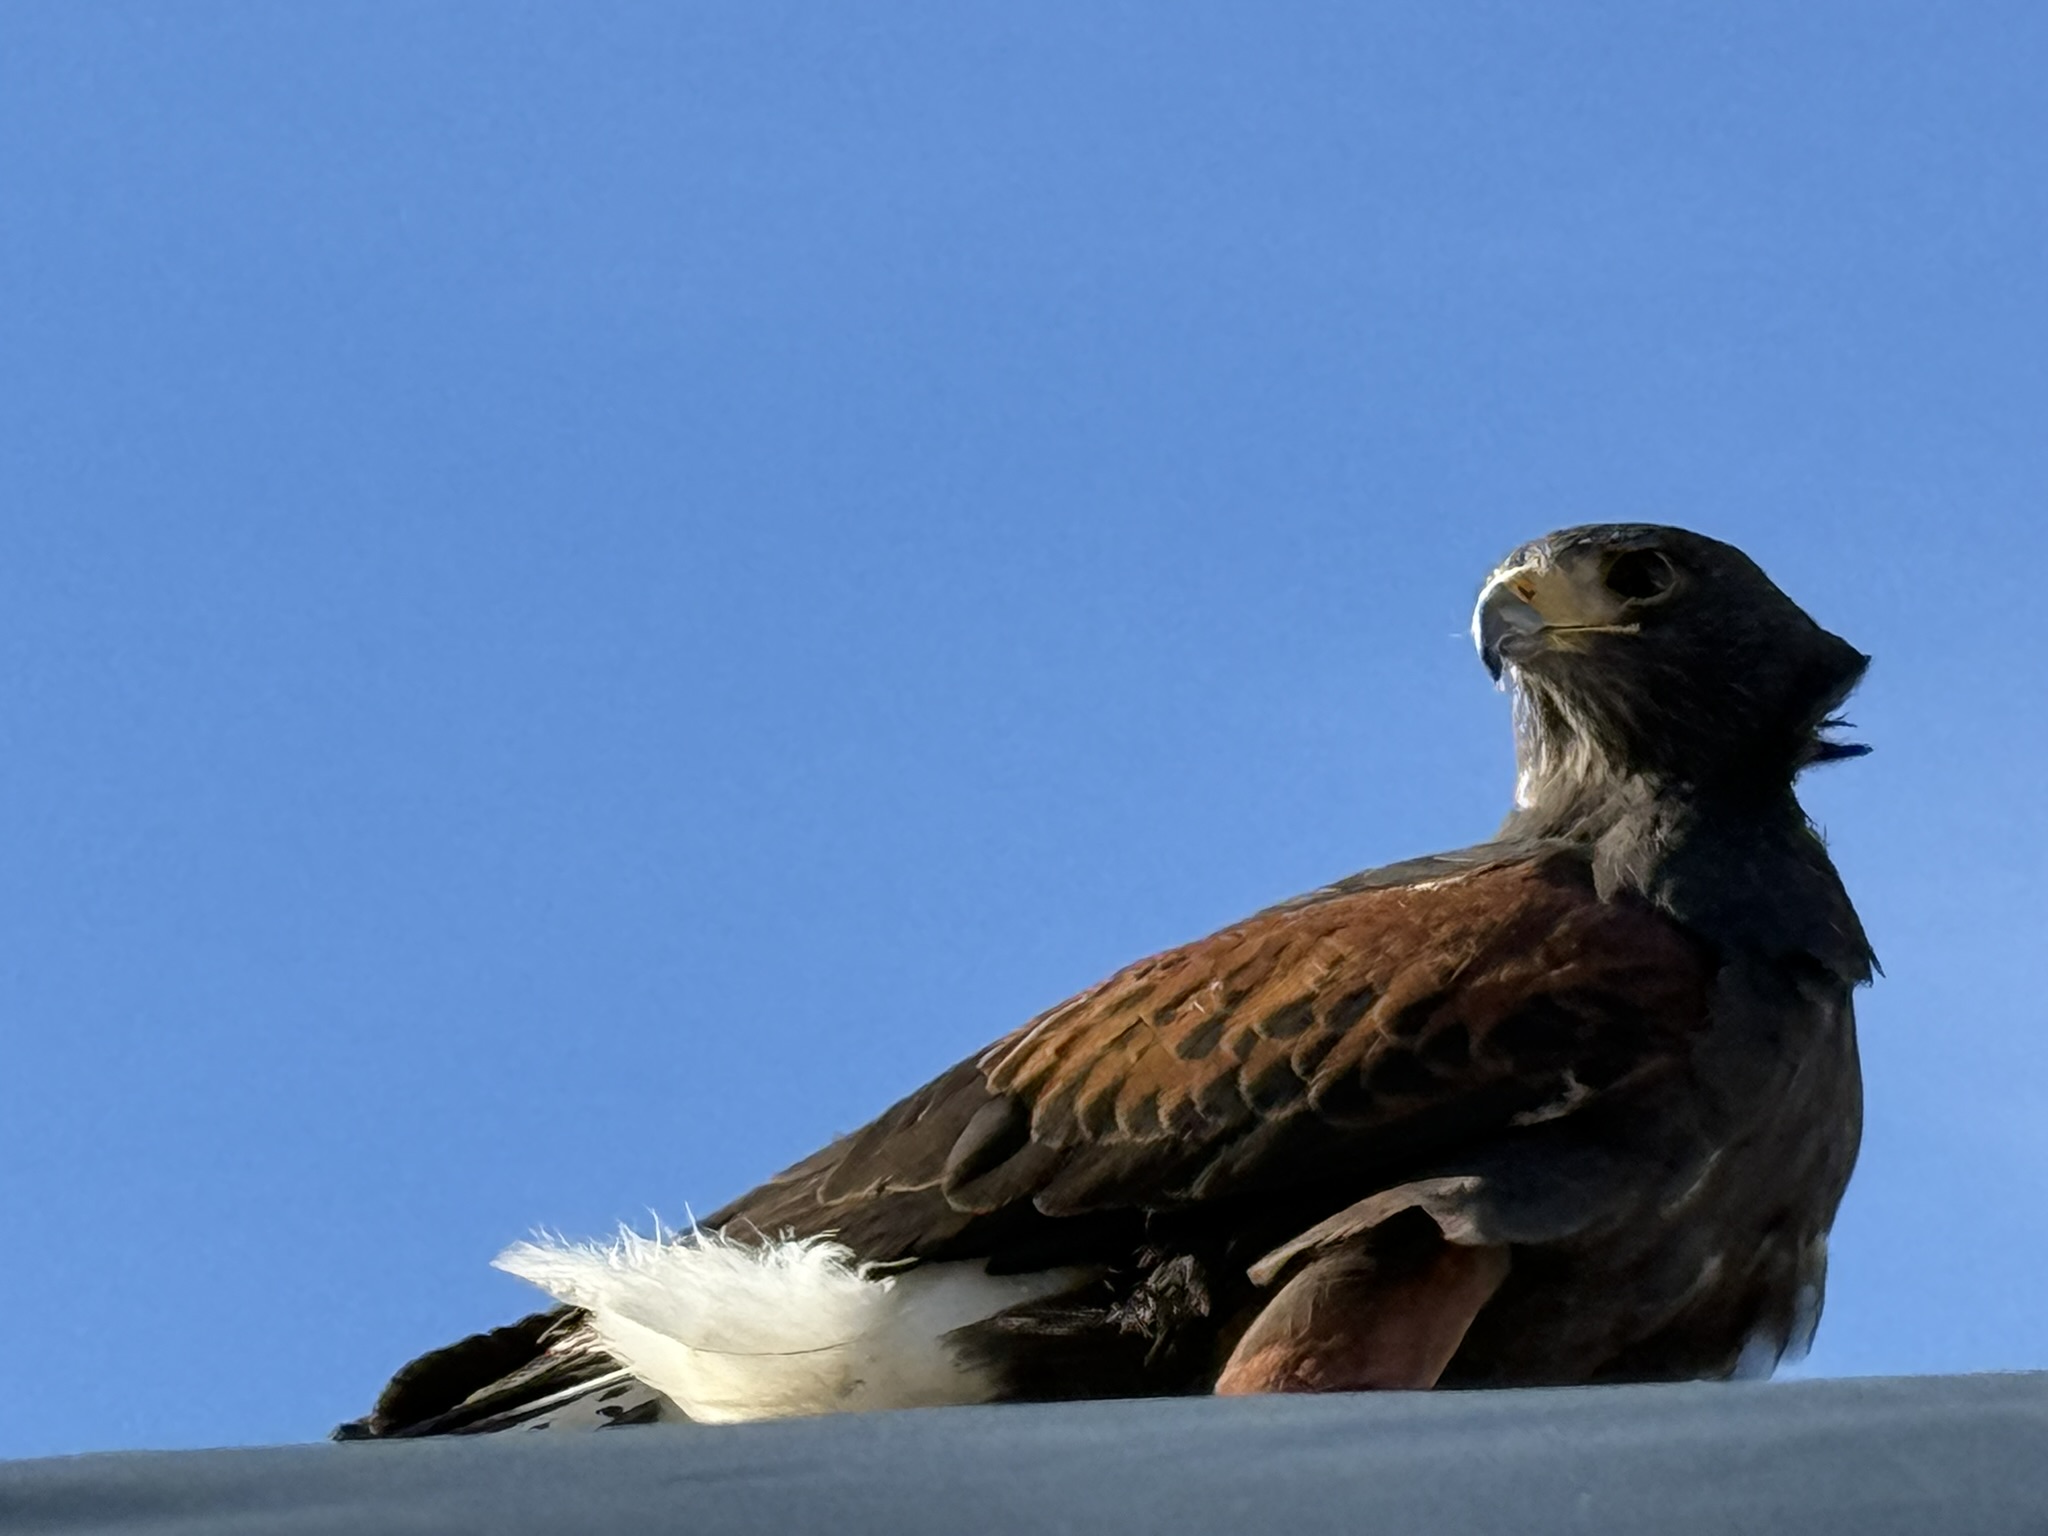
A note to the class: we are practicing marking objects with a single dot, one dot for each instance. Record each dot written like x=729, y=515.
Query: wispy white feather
x=732, y=1330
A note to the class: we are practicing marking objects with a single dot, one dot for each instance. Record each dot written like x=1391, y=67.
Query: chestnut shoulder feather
x=1344, y=1040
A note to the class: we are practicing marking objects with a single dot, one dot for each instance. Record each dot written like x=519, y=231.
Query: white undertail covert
x=730, y=1330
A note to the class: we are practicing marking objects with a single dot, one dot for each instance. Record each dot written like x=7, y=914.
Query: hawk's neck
x=1746, y=872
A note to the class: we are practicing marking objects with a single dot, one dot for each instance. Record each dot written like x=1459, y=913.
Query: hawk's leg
x=1358, y=1318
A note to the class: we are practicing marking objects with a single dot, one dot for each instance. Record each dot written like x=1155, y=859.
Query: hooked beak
x=1539, y=596
x=1502, y=617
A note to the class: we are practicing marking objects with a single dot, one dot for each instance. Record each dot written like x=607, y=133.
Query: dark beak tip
x=1503, y=618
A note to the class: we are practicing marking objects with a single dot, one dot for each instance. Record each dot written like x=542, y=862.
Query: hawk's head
x=1648, y=652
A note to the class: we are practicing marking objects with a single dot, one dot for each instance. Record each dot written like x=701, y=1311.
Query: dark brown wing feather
x=1334, y=1042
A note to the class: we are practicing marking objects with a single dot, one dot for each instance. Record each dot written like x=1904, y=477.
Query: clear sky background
x=588, y=593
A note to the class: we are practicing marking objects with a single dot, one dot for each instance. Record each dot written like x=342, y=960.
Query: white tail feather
x=730, y=1330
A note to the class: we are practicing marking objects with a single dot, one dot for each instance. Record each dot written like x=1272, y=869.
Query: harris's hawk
x=1576, y=1104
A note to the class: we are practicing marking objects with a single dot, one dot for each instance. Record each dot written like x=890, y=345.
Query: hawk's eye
x=1639, y=575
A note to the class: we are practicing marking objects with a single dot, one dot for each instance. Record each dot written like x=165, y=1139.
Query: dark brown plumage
x=1576, y=1104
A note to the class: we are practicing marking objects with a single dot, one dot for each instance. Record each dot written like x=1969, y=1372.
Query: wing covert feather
x=1362, y=1018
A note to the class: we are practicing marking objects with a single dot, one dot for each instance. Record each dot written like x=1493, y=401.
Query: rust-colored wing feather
x=1334, y=1041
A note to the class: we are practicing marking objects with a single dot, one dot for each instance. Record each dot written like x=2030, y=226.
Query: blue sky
x=589, y=593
